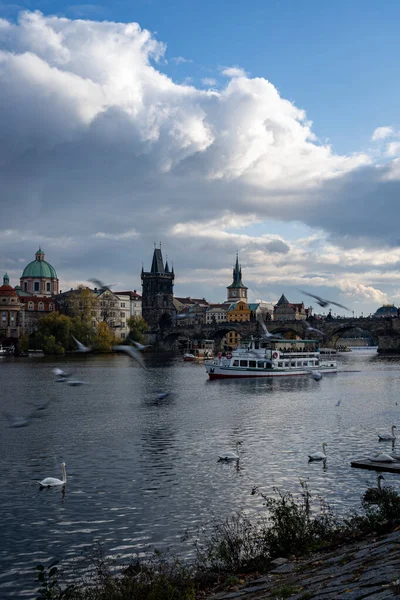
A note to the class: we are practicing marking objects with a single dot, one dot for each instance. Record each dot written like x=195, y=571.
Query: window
x=25, y=286
x=122, y=335
x=41, y=306
x=122, y=304
x=93, y=323
x=286, y=363
x=48, y=286
x=4, y=318
x=31, y=306
x=252, y=364
x=293, y=363
x=280, y=364
x=235, y=363
x=12, y=319
x=122, y=314
x=51, y=307
x=36, y=287
x=243, y=363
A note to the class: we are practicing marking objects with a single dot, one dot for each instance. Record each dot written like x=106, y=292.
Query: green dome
x=40, y=268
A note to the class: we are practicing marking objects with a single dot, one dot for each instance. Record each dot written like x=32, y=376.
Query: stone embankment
x=367, y=569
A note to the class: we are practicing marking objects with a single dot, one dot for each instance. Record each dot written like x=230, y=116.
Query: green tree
x=104, y=339
x=53, y=333
x=137, y=329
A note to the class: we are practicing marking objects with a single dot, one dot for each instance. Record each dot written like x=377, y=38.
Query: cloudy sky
x=268, y=128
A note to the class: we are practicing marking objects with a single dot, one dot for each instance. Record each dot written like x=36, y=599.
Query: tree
x=105, y=339
x=82, y=304
x=137, y=328
x=54, y=333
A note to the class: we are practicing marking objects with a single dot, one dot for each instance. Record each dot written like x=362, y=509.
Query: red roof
x=7, y=290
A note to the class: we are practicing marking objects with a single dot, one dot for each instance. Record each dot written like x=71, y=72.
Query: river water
x=141, y=470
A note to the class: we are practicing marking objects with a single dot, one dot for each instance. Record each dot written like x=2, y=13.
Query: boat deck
x=393, y=467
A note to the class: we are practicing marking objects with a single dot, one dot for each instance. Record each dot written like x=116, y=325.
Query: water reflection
x=143, y=469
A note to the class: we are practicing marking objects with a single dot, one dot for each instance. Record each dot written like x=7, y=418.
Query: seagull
x=140, y=347
x=387, y=437
x=133, y=353
x=267, y=334
x=61, y=373
x=76, y=382
x=322, y=301
x=318, y=455
x=309, y=328
x=101, y=287
x=81, y=347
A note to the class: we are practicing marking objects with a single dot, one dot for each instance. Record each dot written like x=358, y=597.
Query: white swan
x=382, y=457
x=372, y=495
x=317, y=375
x=318, y=455
x=231, y=455
x=387, y=436
x=53, y=481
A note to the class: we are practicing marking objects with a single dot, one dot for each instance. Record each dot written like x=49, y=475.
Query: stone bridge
x=385, y=331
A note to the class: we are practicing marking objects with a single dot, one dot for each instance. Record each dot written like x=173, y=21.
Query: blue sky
x=193, y=133
x=337, y=60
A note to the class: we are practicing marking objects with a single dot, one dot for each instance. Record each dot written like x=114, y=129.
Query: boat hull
x=215, y=372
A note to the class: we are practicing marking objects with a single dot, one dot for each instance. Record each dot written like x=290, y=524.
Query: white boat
x=273, y=358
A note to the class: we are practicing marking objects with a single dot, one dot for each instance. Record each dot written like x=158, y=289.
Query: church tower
x=157, y=296
x=237, y=290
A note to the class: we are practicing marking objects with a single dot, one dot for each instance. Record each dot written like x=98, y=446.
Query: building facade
x=286, y=311
x=10, y=311
x=158, y=308
x=39, y=278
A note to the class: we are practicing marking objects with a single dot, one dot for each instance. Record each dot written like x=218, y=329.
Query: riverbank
x=366, y=568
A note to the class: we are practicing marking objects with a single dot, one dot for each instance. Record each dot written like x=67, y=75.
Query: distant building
x=387, y=310
x=287, y=311
x=135, y=302
x=10, y=308
x=216, y=313
x=39, y=278
x=237, y=290
x=158, y=308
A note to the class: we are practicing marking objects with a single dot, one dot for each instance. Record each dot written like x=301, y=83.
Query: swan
x=231, y=455
x=53, y=481
x=372, y=495
x=382, y=457
x=317, y=375
x=318, y=455
x=387, y=436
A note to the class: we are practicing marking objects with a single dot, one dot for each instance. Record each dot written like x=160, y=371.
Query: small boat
x=270, y=358
x=6, y=351
x=188, y=356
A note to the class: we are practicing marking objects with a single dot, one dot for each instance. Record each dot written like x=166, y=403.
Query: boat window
x=304, y=363
x=243, y=363
x=235, y=363
x=256, y=345
x=286, y=363
x=293, y=363
x=310, y=363
x=260, y=364
x=280, y=364
x=252, y=364
x=317, y=362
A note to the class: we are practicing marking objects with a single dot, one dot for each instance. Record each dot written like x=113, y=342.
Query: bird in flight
x=309, y=328
x=140, y=346
x=81, y=347
x=133, y=353
x=267, y=334
x=323, y=301
x=101, y=287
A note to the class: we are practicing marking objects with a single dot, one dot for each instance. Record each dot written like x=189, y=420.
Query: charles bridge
x=385, y=331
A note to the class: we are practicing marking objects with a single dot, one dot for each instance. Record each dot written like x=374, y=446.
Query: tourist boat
x=272, y=358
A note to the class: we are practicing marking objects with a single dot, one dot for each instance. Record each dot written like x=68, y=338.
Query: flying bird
x=133, y=353
x=267, y=334
x=101, y=287
x=322, y=301
x=81, y=347
x=140, y=347
x=309, y=328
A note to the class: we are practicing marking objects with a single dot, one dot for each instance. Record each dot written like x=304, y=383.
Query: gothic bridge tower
x=237, y=290
x=157, y=296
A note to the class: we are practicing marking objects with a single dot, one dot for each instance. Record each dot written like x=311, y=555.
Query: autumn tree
x=82, y=304
x=137, y=329
x=104, y=339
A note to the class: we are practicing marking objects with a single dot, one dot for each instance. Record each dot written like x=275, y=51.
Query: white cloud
x=233, y=72
x=179, y=60
x=208, y=81
x=393, y=149
x=381, y=133
x=99, y=147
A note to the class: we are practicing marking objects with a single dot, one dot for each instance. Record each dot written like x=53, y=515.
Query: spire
x=39, y=254
x=6, y=279
x=166, y=263
x=157, y=266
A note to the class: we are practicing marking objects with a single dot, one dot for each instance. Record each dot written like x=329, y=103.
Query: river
x=141, y=470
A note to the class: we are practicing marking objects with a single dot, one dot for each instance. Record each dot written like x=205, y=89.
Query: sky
x=268, y=128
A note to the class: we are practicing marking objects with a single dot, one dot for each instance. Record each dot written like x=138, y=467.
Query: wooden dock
x=388, y=467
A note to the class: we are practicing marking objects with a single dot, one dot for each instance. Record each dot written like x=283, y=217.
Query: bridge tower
x=237, y=290
x=157, y=296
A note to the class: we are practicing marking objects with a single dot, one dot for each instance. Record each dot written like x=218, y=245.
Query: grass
x=292, y=526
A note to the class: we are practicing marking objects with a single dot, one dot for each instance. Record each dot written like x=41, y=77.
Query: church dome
x=6, y=289
x=39, y=268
